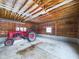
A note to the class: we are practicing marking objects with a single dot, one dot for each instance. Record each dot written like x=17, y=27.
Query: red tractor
x=16, y=35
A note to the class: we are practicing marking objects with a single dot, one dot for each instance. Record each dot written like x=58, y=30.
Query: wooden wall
x=66, y=25
x=8, y=26
x=78, y=31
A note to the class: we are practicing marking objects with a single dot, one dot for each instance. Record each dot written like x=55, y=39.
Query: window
x=21, y=29
x=48, y=29
x=17, y=28
x=25, y=28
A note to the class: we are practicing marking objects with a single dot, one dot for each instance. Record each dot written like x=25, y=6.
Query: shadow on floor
x=75, y=47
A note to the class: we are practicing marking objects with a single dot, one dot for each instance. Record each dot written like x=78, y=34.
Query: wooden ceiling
x=10, y=15
x=69, y=10
x=33, y=10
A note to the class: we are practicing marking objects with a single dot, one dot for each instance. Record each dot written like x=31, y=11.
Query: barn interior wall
x=5, y=27
x=78, y=31
x=65, y=26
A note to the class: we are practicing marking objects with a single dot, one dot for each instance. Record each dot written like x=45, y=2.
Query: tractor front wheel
x=8, y=42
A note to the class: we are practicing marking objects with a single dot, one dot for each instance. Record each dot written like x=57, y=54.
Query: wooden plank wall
x=78, y=31
x=8, y=26
x=65, y=26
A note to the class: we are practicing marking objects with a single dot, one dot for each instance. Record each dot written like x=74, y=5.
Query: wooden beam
x=54, y=12
x=23, y=5
x=42, y=5
x=29, y=7
x=15, y=1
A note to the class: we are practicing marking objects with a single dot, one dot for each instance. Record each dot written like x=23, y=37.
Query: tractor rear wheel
x=9, y=42
x=31, y=36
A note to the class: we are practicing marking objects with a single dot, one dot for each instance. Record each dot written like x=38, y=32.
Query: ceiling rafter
x=58, y=5
x=30, y=6
x=14, y=2
x=23, y=5
x=53, y=13
x=28, y=9
x=26, y=6
x=33, y=12
x=10, y=15
x=40, y=6
x=30, y=12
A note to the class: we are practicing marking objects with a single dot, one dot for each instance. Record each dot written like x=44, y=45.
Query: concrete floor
x=49, y=49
